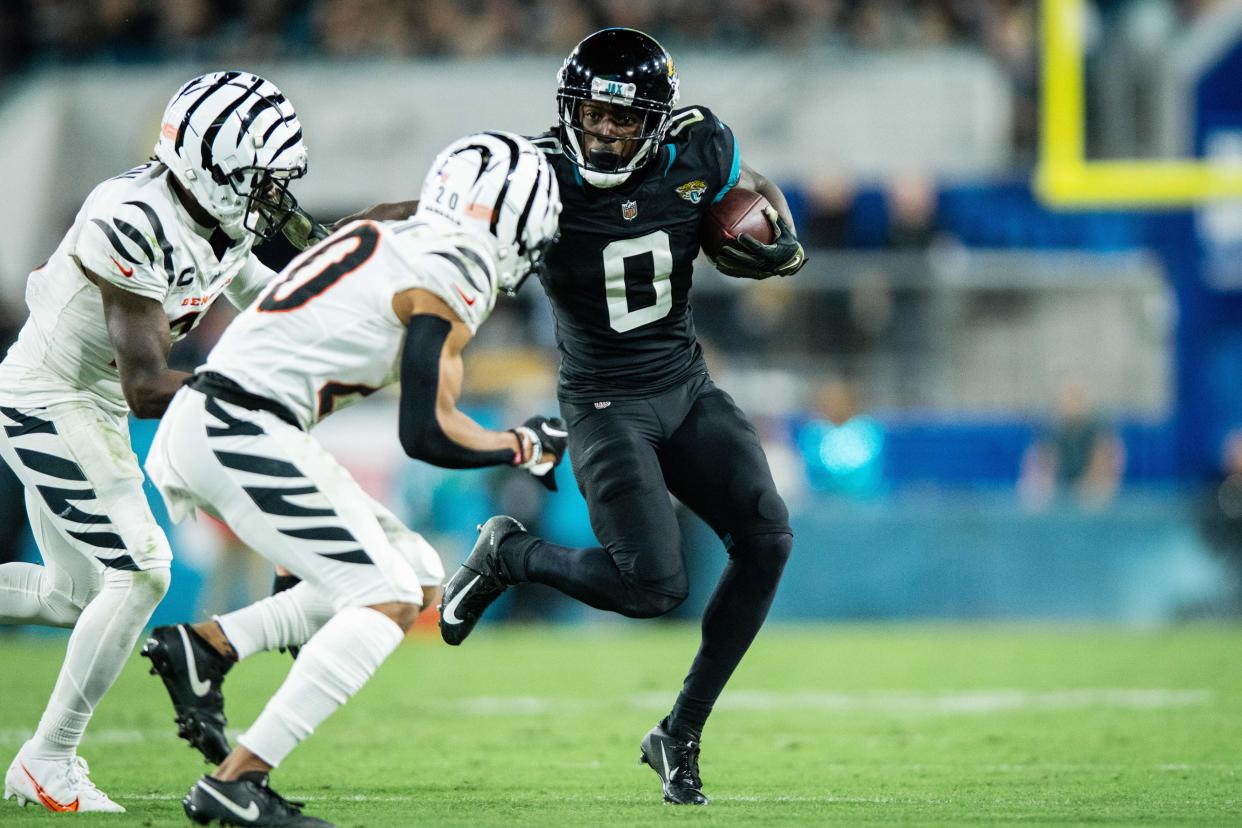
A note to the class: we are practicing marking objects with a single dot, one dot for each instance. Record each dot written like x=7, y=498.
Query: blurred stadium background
x=1006, y=386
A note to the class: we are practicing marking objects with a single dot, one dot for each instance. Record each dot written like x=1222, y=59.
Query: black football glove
x=548, y=437
x=748, y=258
x=302, y=231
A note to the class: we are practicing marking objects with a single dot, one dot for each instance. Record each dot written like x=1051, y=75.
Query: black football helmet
x=623, y=67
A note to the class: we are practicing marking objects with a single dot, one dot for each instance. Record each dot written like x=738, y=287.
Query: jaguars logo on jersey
x=692, y=191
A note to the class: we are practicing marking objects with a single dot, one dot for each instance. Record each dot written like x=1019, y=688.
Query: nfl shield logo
x=629, y=210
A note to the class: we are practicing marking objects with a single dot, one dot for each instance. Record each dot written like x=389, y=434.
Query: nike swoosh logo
x=450, y=612
x=200, y=687
x=49, y=803
x=793, y=264
x=553, y=432
x=127, y=272
x=464, y=298
x=250, y=813
x=669, y=775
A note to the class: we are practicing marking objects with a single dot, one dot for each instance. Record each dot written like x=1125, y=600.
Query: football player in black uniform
x=644, y=417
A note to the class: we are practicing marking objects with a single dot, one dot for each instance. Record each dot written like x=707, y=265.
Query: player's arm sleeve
x=251, y=281
x=422, y=435
x=118, y=252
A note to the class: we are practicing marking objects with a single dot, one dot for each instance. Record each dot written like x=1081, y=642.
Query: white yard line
x=968, y=702
x=897, y=701
x=924, y=703
x=108, y=736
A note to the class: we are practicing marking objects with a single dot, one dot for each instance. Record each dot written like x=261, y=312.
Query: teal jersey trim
x=735, y=172
x=672, y=156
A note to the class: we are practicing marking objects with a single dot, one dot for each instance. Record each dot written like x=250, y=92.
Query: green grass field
x=834, y=724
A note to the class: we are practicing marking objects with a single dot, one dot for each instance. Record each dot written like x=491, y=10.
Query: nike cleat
x=676, y=763
x=192, y=672
x=479, y=581
x=59, y=785
x=246, y=800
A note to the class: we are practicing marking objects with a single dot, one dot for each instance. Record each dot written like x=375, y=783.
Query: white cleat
x=59, y=785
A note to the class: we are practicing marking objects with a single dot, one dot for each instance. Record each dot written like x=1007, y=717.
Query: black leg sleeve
x=734, y=615
x=589, y=574
x=640, y=569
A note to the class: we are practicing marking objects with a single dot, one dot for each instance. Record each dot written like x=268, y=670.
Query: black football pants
x=628, y=455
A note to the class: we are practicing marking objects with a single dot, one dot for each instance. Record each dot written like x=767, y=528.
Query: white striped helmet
x=496, y=185
x=233, y=140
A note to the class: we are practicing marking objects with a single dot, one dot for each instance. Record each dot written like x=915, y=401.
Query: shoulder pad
x=548, y=143
x=132, y=218
x=117, y=242
x=126, y=224
x=684, y=123
x=136, y=171
x=449, y=266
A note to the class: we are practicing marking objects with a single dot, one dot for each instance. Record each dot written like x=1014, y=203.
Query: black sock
x=282, y=582
x=688, y=717
x=733, y=617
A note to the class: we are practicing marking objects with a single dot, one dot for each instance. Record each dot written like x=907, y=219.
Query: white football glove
x=548, y=438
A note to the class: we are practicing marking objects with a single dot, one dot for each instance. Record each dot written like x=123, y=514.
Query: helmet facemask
x=654, y=119
x=537, y=257
x=269, y=204
x=622, y=68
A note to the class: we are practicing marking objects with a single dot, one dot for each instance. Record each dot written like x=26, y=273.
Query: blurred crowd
x=145, y=30
x=35, y=33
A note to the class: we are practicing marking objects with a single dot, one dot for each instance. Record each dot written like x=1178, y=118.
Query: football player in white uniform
x=371, y=305
x=148, y=253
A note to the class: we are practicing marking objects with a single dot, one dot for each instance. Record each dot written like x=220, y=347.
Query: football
x=740, y=211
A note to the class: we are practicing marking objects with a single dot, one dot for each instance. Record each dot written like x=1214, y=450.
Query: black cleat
x=676, y=763
x=479, y=581
x=245, y=801
x=192, y=672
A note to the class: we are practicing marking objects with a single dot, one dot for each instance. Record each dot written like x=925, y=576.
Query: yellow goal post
x=1064, y=177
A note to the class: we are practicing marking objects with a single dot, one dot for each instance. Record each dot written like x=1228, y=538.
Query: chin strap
x=608, y=180
x=604, y=181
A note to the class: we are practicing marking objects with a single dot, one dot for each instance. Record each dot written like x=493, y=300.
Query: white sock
x=331, y=668
x=99, y=645
x=27, y=596
x=286, y=619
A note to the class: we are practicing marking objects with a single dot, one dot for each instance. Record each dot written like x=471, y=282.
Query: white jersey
x=324, y=334
x=132, y=232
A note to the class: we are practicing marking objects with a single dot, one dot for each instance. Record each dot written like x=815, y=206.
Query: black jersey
x=619, y=278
